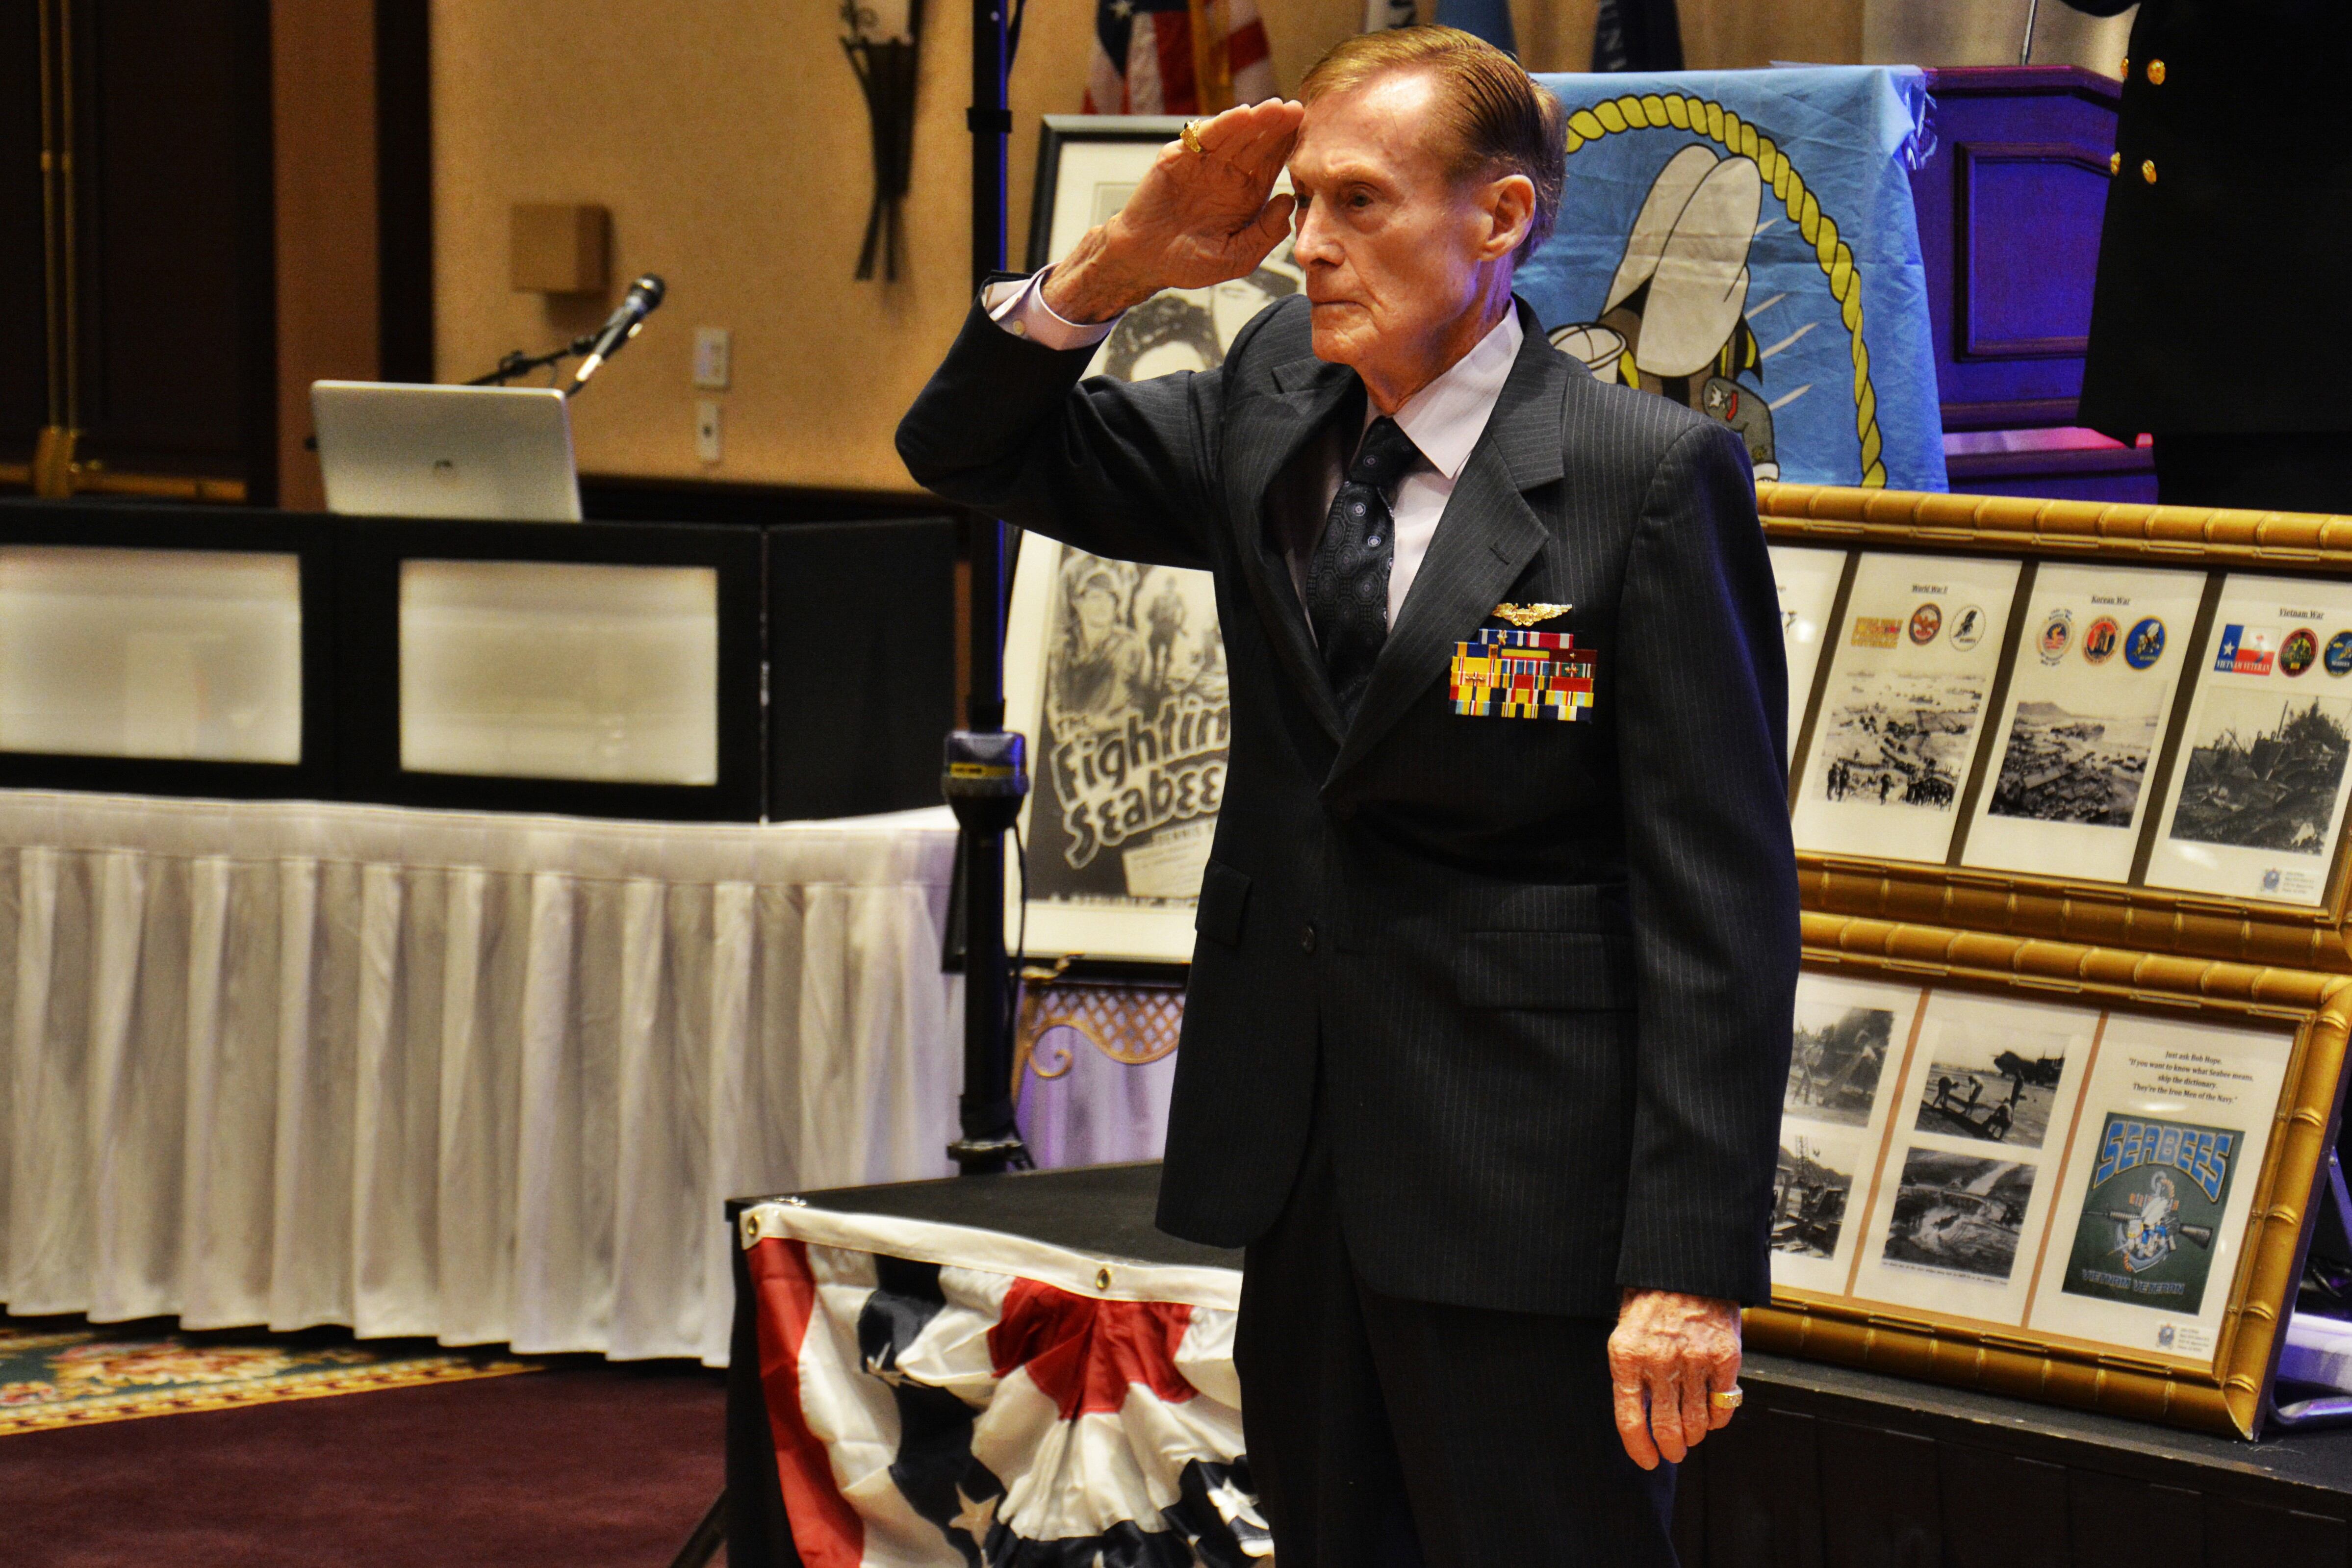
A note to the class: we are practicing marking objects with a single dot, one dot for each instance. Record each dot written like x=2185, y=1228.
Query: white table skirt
x=481, y=1078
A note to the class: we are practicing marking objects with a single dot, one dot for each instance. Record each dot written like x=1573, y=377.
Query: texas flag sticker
x=2246, y=650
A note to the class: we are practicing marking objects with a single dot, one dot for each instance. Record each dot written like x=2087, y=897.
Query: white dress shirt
x=1444, y=419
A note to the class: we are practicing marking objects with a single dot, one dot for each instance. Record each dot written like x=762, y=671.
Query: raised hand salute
x=1198, y=218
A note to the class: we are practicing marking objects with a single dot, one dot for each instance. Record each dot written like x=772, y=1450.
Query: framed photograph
x=2082, y=724
x=2256, y=809
x=1116, y=672
x=2061, y=1187
x=1809, y=580
x=1891, y=745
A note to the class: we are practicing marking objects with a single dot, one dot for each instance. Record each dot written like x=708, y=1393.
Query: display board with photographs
x=1893, y=739
x=2256, y=809
x=1965, y=1159
x=2082, y=727
x=1809, y=580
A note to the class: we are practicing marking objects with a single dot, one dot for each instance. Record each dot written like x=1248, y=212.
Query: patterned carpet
x=67, y=1373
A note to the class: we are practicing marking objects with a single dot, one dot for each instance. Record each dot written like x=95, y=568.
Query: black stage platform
x=1825, y=1468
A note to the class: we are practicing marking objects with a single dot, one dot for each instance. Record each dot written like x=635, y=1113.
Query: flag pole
x=986, y=776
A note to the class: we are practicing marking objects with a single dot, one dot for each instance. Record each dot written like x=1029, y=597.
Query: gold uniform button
x=2148, y=170
x=2155, y=73
x=2125, y=74
x=2114, y=162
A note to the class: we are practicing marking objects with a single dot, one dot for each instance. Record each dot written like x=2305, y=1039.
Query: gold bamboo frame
x=2021, y=904
x=2093, y=943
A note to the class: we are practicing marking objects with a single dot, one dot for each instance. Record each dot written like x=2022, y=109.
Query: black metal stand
x=518, y=362
x=985, y=777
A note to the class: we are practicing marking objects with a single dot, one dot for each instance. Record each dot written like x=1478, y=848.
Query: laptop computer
x=494, y=453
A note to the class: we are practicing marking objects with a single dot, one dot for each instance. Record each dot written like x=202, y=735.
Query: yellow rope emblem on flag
x=1719, y=125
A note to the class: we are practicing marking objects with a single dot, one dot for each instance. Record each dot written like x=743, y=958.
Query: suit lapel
x=1485, y=541
x=1277, y=431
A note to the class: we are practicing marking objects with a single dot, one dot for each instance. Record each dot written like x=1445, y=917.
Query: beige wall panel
x=730, y=143
x=322, y=106
x=1735, y=34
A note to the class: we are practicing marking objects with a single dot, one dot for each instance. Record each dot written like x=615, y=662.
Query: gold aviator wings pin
x=1525, y=615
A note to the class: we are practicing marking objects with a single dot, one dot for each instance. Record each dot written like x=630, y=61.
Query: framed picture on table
x=2096, y=1197
x=1116, y=672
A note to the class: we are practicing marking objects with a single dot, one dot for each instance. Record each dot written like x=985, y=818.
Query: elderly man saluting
x=1489, y=1009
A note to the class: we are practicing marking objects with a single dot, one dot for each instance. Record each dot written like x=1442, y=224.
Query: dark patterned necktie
x=1348, y=580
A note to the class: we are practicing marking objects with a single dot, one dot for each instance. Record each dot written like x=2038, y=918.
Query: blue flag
x=1743, y=242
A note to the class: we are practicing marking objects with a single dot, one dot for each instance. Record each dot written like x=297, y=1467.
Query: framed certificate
x=2083, y=723
x=1893, y=742
x=2256, y=804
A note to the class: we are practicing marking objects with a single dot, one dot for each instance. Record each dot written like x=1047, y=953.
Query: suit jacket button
x=1306, y=939
x=1344, y=811
x=2155, y=73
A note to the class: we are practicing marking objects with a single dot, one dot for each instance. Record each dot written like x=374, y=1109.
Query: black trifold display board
x=834, y=665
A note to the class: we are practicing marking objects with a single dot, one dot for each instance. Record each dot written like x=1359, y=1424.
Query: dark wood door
x=158, y=230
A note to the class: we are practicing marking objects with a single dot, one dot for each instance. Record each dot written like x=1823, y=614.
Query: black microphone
x=644, y=296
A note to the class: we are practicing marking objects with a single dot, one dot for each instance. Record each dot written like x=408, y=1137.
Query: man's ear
x=1511, y=207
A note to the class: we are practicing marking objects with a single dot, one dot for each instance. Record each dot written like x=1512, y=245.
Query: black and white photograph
x=1899, y=739
x=1959, y=1213
x=2060, y=765
x=2264, y=770
x=1835, y=1059
x=1811, y=1185
x=1993, y=1084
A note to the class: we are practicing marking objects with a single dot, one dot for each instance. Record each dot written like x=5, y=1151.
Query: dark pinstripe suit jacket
x=1544, y=969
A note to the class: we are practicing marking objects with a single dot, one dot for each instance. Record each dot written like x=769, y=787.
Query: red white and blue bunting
x=942, y=1395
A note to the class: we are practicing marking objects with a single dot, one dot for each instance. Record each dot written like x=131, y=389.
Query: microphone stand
x=517, y=363
x=986, y=773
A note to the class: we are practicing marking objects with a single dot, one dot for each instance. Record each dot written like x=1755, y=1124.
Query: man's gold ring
x=1727, y=1398
x=1191, y=140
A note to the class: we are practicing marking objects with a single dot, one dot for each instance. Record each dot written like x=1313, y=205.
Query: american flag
x=1177, y=57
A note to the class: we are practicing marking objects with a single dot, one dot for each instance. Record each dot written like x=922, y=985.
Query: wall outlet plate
x=713, y=358
x=706, y=429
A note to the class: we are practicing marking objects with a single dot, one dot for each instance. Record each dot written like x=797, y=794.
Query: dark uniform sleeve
x=1119, y=468
x=1702, y=719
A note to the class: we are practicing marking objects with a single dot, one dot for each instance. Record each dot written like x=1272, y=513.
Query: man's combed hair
x=1501, y=122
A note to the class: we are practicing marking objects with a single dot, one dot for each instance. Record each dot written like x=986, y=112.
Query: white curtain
x=482, y=1078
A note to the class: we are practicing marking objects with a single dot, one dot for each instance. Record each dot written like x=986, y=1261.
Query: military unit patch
x=1513, y=674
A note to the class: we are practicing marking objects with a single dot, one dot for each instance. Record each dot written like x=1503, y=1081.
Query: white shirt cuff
x=1019, y=307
